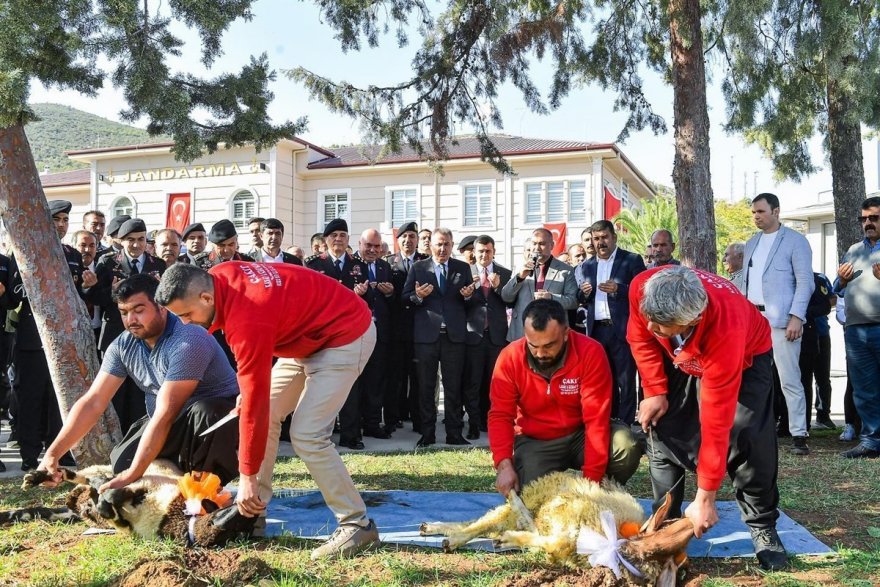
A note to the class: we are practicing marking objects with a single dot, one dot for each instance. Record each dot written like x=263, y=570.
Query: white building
x=305, y=186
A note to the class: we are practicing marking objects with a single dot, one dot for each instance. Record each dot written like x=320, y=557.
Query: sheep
x=152, y=507
x=556, y=509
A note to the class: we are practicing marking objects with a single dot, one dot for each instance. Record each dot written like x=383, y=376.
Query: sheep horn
x=671, y=538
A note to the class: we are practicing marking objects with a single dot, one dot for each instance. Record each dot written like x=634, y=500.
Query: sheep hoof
x=447, y=547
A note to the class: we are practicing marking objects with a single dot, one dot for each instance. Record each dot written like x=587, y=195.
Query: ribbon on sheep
x=604, y=551
x=198, y=486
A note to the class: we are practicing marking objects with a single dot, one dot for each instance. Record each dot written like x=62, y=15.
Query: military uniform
x=205, y=260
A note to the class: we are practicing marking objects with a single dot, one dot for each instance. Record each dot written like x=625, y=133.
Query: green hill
x=62, y=128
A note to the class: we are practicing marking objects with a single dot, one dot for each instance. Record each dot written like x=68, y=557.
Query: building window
x=242, y=209
x=336, y=204
x=624, y=196
x=122, y=206
x=555, y=201
x=404, y=206
x=478, y=205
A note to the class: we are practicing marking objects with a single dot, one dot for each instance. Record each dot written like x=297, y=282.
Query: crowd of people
x=565, y=361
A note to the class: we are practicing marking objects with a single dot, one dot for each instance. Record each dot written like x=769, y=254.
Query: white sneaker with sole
x=348, y=540
x=848, y=434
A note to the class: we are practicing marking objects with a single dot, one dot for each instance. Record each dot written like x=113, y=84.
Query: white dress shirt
x=603, y=274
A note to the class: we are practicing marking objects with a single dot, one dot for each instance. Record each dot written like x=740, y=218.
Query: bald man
x=371, y=393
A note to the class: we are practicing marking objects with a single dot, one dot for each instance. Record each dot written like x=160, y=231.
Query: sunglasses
x=870, y=217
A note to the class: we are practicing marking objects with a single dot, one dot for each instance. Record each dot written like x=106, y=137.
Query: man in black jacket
x=272, y=234
x=441, y=288
x=487, y=333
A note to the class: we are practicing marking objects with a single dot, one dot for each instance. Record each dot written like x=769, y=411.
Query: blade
x=228, y=417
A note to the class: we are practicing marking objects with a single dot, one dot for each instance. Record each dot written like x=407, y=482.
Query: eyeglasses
x=870, y=217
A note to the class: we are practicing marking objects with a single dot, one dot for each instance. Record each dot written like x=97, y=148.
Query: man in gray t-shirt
x=188, y=386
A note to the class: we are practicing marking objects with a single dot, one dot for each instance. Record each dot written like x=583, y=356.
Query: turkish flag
x=612, y=204
x=558, y=231
x=178, y=212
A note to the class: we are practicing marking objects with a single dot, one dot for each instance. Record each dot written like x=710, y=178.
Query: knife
x=228, y=417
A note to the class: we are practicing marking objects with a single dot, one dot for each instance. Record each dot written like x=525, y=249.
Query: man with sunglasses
x=858, y=280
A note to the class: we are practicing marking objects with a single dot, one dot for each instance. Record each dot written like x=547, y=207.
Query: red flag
x=612, y=204
x=178, y=212
x=558, y=231
x=394, y=238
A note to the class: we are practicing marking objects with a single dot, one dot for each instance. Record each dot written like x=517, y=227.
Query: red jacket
x=729, y=335
x=578, y=396
x=277, y=310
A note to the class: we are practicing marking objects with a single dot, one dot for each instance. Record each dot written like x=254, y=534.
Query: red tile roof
x=467, y=148
x=66, y=178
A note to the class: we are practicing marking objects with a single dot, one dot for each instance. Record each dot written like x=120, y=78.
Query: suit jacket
x=403, y=309
x=101, y=294
x=447, y=307
x=379, y=303
x=787, y=279
x=559, y=281
x=490, y=306
x=626, y=266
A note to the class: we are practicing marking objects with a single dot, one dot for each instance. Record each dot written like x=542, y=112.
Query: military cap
x=466, y=242
x=221, y=231
x=335, y=225
x=408, y=227
x=130, y=226
x=115, y=223
x=151, y=236
x=59, y=206
x=196, y=227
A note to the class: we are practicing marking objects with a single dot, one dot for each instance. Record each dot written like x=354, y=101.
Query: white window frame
x=625, y=202
x=389, y=220
x=566, y=179
x=230, y=206
x=323, y=193
x=111, y=209
x=493, y=204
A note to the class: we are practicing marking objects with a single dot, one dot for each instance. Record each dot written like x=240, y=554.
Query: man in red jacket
x=685, y=325
x=323, y=335
x=551, y=405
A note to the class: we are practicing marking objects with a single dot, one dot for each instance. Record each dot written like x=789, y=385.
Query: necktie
x=484, y=282
x=406, y=265
x=539, y=278
x=442, y=281
x=339, y=265
x=372, y=272
x=134, y=266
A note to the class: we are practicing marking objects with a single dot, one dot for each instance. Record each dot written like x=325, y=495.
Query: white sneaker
x=348, y=540
x=848, y=434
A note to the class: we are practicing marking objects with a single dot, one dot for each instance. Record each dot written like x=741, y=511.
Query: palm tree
x=635, y=227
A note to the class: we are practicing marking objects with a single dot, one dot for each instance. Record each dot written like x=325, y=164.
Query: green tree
x=66, y=44
x=474, y=46
x=733, y=224
x=635, y=227
x=800, y=68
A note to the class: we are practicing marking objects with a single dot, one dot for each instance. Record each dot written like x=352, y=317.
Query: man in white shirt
x=87, y=244
x=272, y=234
x=778, y=279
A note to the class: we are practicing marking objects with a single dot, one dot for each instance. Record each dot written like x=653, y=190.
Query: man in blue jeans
x=858, y=280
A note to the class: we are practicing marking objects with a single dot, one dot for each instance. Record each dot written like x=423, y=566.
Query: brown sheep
x=556, y=508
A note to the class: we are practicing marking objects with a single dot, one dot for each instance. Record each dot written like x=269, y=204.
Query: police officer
x=38, y=417
x=224, y=237
x=195, y=239
x=111, y=269
x=353, y=274
x=113, y=232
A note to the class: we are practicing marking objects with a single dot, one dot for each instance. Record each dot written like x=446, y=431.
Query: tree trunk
x=847, y=170
x=693, y=186
x=63, y=323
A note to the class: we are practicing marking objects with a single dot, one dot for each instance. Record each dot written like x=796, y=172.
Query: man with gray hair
x=733, y=262
x=686, y=324
x=662, y=246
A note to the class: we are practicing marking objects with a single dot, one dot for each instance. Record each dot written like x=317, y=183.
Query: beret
x=130, y=226
x=408, y=227
x=58, y=206
x=335, y=225
x=196, y=227
x=466, y=242
x=115, y=223
x=221, y=231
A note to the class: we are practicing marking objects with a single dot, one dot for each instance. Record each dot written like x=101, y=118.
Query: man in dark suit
x=353, y=274
x=371, y=387
x=272, y=233
x=403, y=380
x=441, y=289
x=110, y=269
x=113, y=232
x=487, y=333
x=603, y=283
x=95, y=222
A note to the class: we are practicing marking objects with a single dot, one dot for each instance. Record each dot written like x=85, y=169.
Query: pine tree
x=65, y=44
x=475, y=46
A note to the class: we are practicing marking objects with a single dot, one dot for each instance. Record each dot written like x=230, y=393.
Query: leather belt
x=603, y=322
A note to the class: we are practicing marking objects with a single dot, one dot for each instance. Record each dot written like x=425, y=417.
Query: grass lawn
x=838, y=501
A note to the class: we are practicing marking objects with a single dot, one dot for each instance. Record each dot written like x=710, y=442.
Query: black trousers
x=403, y=381
x=129, y=404
x=214, y=453
x=363, y=407
x=450, y=357
x=5, y=358
x=479, y=362
x=623, y=372
x=37, y=417
x=751, y=458
x=822, y=373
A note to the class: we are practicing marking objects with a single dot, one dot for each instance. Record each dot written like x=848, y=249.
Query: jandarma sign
x=184, y=172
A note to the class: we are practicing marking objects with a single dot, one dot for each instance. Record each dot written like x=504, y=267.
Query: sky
x=293, y=35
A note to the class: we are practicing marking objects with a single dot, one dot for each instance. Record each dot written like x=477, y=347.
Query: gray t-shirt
x=184, y=352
